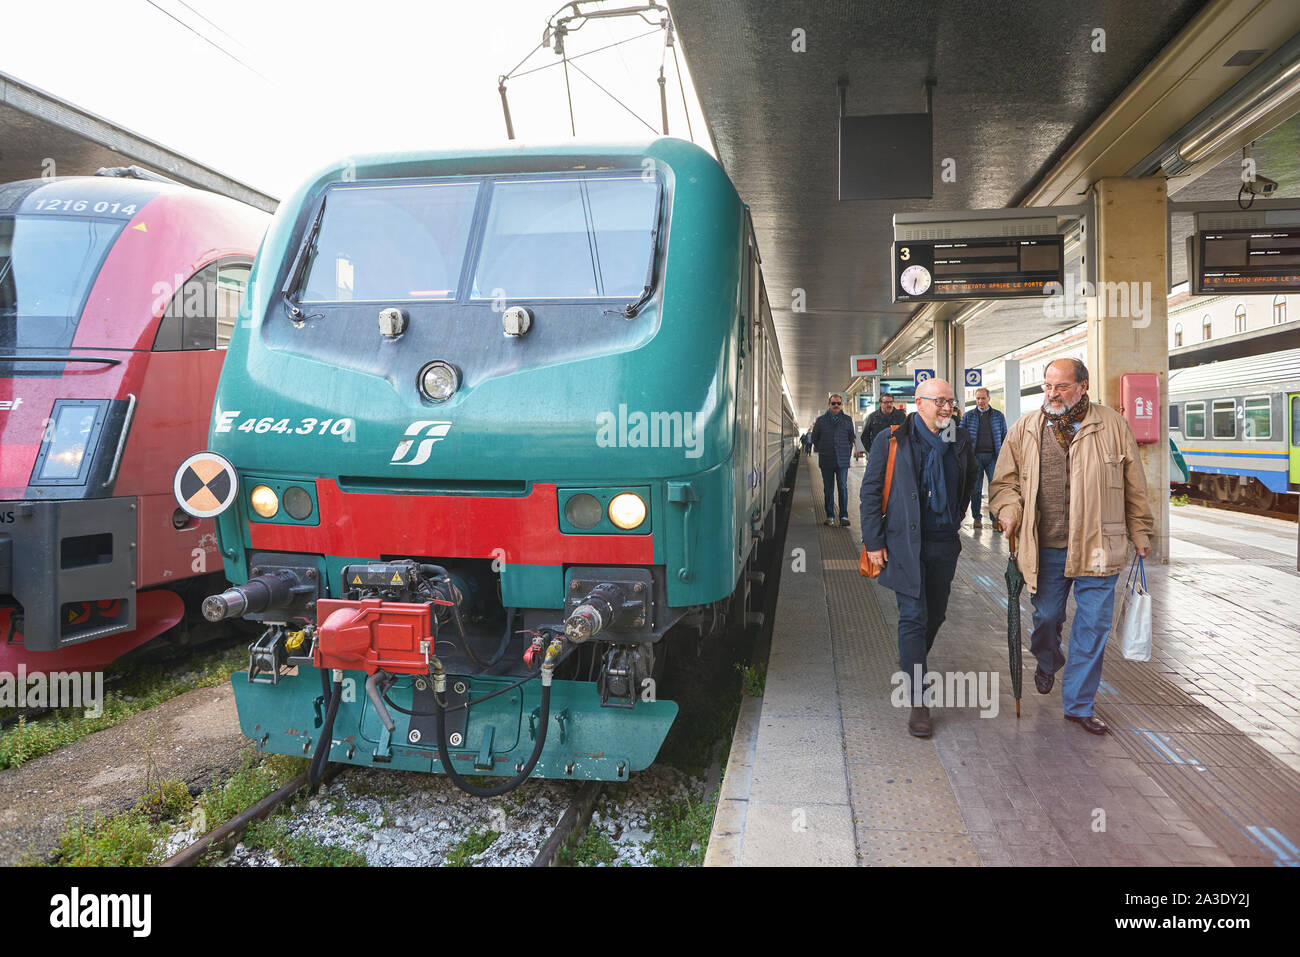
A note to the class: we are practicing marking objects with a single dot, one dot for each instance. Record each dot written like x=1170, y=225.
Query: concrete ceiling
x=1017, y=84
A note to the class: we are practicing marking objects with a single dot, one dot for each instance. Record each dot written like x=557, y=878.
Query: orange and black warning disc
x=205, y=485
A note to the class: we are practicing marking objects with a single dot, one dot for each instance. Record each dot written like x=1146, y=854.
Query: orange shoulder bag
x=866, y=567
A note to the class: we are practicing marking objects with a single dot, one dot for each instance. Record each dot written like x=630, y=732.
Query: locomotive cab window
x=1225, y=418
x=390, y=243
x=568, y=238
x=1173, y=416
x=1194, y=427
x=1258, y=420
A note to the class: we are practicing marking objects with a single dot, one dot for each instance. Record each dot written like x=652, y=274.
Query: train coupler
x=268, y=654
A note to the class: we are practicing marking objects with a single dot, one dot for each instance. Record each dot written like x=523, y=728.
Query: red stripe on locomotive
x=357, y=524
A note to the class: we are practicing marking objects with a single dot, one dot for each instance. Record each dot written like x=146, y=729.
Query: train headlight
x=297, y=502
x=439, y=380
x=583, y=511
x=627, y=510
x=69, y=437
x=264, y=501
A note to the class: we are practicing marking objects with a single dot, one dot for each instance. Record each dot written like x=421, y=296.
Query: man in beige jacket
x=1069, y=490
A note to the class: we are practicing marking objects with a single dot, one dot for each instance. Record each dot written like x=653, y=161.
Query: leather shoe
x=845, y=523
x=919, y=724
x=977, y=524
x=1092, y=724
x=1043, y=681
x=830, y=521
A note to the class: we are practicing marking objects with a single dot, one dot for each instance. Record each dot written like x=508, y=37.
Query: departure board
x=1261, y=260
x=999, y=268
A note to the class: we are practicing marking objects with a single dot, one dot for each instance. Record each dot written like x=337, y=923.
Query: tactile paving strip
x=905, y=812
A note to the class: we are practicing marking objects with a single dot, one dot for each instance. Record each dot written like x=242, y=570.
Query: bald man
x=916, y=539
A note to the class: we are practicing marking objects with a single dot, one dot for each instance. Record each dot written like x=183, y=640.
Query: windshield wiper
x=299, y=264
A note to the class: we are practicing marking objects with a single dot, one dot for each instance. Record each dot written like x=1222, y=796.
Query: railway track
x=570, y=827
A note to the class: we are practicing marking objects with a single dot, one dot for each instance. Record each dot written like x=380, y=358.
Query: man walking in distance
x=832, y=437
x=916, y=540
x=1070, y=485
x=987, y=428
x=880, y=420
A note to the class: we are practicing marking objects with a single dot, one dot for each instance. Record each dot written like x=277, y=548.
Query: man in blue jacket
x=916, y=540
x=832, y=437
x=987, y=427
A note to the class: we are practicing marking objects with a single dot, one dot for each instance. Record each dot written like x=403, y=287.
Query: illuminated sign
x=1261, y=260
x=955, y=269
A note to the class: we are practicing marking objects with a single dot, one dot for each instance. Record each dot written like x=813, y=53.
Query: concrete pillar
x=942, y=369
x=1011, y=396
x=1128, y=328
x=958, y=379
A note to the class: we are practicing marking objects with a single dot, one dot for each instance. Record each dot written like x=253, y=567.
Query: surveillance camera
x=1260, y=186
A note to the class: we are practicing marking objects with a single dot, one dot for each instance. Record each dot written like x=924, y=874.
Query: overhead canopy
x=36, y=128
x=1025, y=105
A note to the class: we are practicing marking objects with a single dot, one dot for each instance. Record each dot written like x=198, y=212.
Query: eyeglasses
x=1053, y=389
x=837, y=403
x=939, y=403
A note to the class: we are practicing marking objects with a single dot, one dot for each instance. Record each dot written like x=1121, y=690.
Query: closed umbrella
x=1015, y=583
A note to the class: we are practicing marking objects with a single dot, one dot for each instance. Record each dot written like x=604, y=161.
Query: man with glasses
x=880, y=420
x=832, y=437
x=916, y=541
x=1070, y=484
x=987, y=427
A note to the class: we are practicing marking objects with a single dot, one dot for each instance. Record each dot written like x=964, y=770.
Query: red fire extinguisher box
x=1142, y=404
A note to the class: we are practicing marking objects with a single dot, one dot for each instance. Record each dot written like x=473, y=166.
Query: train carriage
x=504, y=425
x=1237, y=424
x=116, y=292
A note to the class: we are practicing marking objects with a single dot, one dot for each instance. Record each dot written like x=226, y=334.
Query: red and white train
x=118, y=294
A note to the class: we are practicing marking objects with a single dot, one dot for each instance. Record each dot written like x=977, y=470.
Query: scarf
x=1061, y=423
x=934, y=448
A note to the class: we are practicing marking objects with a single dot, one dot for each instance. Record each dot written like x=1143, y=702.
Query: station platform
x=1202, y=766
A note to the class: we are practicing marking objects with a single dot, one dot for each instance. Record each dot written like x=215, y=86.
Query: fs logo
x=432, y=432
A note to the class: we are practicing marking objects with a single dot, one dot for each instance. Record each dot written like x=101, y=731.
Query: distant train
x=506, y=428
x=1237, y=424
x=117, y=295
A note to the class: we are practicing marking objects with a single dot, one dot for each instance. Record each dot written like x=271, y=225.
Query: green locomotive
x=497, y=428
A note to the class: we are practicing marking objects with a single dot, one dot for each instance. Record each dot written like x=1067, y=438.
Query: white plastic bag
x=1135, y=615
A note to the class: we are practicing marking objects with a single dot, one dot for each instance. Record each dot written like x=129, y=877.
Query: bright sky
x=324, y=79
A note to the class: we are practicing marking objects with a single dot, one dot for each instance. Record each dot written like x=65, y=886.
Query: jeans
x=832, y=477
x=919, y=618
x=1094, y=603
x=986, y=462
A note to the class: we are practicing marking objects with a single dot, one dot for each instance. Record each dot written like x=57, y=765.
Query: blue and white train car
x=1237, y=423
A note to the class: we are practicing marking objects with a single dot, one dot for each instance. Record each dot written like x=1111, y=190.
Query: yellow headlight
x=264, y=501
x=627, y=510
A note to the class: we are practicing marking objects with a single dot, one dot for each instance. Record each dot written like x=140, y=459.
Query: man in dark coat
x=880, y=420
x=987, y=428
x=916, y=540
x=832, y=437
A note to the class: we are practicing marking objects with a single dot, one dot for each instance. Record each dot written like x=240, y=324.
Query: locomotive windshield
x=543, y=237
x=47, y=266
x=379, y=243
x=580, y=238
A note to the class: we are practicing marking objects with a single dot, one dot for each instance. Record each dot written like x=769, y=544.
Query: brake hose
x=513, y=782
x=318, y=759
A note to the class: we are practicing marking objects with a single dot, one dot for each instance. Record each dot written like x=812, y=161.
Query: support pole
x=1128, y=328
